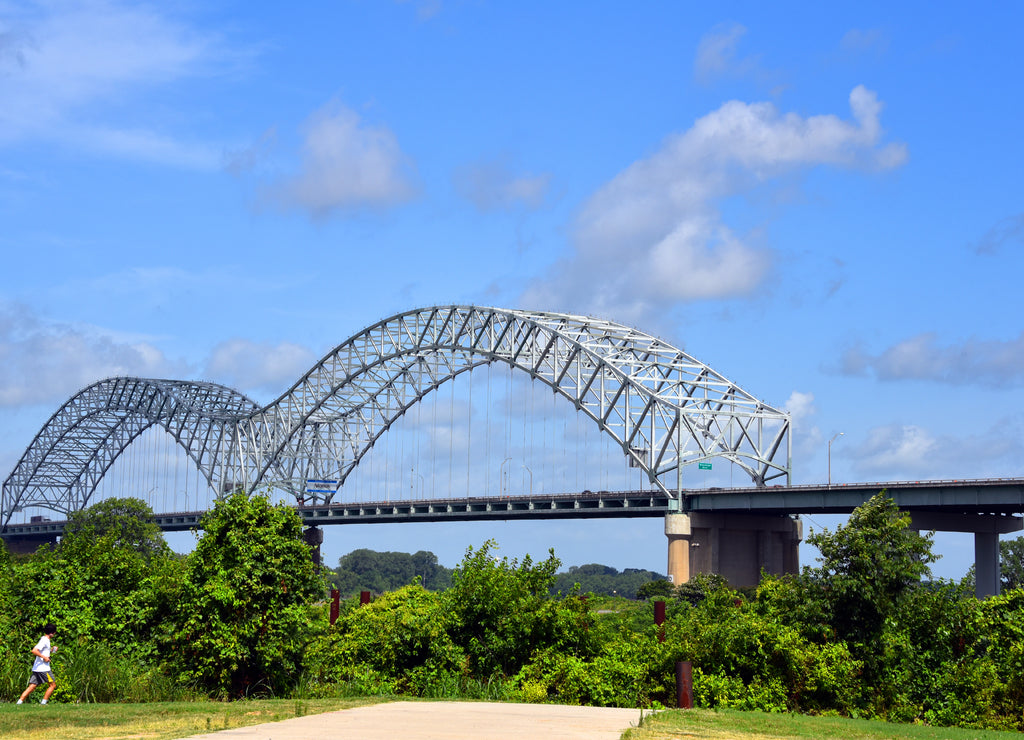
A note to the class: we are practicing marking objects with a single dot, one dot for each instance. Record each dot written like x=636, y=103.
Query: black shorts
x=41, y=677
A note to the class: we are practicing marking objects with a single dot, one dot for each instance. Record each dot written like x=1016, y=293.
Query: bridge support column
x=314, y=537
x=677, y=529
x=986, y=564
x=735, y=546
x=986, y=529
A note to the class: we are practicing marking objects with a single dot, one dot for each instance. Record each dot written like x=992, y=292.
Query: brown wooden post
x=364, y=598
x=659, y=619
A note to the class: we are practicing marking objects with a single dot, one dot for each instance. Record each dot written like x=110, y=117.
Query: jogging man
x=41, y=672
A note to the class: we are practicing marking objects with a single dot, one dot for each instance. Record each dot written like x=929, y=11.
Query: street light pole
x=834, y=438
x=412, y=484
x=527, y=469
x=501, y=480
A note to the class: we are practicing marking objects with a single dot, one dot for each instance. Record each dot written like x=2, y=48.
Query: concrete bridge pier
x=736, y=546
x=986, y=529
x=987, y=571
x=314, y=537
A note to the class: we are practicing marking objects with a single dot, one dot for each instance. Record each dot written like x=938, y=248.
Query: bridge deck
x=986, y=496
x=950, y=498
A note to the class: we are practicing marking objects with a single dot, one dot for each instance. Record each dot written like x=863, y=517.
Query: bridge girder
x=664, y=408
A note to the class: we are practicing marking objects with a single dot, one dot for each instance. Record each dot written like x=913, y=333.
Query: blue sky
x=821, y=202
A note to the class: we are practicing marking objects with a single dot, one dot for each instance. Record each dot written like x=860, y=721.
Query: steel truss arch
x=80, y=442
x=664, y=408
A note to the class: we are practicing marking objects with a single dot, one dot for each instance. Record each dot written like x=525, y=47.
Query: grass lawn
x=734, y=725
x=159, y=720
x=171, y=720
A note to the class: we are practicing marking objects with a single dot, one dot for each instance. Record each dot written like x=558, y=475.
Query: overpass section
x=736, y=532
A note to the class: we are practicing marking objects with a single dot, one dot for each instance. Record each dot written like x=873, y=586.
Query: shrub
x=241, y=621
x=501, y=612
x=398, y=643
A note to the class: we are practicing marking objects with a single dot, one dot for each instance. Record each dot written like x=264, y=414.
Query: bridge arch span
x=664, y=408
x=79, y=443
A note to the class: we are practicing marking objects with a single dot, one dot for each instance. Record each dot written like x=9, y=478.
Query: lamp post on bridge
x=501, y=479
x=834, y=438
x=412, y=483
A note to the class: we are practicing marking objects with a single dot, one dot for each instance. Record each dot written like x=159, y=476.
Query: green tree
x=125, y=523
x=502, y=612
x=106, y=580
x=242, y=618
x=867, y=567
x=397, y=643
x=605, y=580
x=698, y=587
x=431, y=573
x=1011, y=563
x=654, y=589
x=386, y=571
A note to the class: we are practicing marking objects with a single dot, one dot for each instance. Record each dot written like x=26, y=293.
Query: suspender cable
x=487, y=429
x=433, y=441
x=451, y=433
x=469, y=431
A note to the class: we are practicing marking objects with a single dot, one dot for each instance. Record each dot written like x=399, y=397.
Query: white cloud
x=248, y=365
x=910, y=452
x=346, y=165
x=716, y=54
x=704, y=259
x=992, y=363
x=861, y=40
x=1007, y=231
x=800, y=406
x=493, y=185
x=65, y=66
x=805, y=433
x=240, y=161
x=46, y=362
x=425, y=9
x=653, y=235
x=896, y=450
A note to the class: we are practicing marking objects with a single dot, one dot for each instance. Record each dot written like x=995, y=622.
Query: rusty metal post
x=684, y=684
x=335, y=604
x=364, y=598
x=659, y=619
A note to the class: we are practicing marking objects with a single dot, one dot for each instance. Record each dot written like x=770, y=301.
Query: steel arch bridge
x=664, y=408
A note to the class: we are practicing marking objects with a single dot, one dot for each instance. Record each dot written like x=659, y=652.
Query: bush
x=398, y=643
x=501, y=612
x=241, y=622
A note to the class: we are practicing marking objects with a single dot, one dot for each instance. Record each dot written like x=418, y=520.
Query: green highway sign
x=703, y=466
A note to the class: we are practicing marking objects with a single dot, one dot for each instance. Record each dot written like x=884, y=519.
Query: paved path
x=446, y=721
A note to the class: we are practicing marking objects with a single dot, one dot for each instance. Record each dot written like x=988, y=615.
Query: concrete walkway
x=447, y=721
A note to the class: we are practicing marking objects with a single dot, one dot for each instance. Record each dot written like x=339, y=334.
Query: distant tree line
x=379, y=572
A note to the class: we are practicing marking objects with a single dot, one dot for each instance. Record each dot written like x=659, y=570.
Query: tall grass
x=362, y=681
x=14, y=673
x=451, y=685
x=91, y=672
